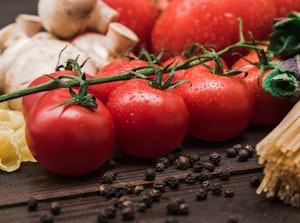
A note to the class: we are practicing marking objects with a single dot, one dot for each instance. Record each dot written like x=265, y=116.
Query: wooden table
x=81, y=202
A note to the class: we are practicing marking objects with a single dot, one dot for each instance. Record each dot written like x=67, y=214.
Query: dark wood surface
x=79, y=196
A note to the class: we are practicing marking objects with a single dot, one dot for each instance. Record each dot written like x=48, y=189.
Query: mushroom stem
x=119, y=39
x=101, y=17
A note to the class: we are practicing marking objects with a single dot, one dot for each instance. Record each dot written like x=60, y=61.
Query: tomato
x=285, y=7
x=269, y=110
x=69, y=139
x=161, y=4
x=220, y=107
x=29, y=100
x=149, y=122
x=113, y=68
x=212, y=23
x=139, y=16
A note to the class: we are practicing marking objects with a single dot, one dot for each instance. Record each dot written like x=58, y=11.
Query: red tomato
x=161, y=4
x=149, y=122
x=29, y=100
x=220, y=107
x=269, y=110
x=211, y=23
x=113, y=68
x=138, y=15
x=69, y=139
x=285, y=7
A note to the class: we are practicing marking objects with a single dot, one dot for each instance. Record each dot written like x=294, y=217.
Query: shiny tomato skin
x=210, y=23
x=149, y=122
x=283, y=8
x=29, y=100
x=220, y=107
x=69, y=139
x=113, y=68
x=269, y=110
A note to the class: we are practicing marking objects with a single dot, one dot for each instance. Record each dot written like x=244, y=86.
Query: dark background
x=9, y=9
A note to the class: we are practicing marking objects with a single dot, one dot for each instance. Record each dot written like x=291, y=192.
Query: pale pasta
x=13, y=146
x=280, y=151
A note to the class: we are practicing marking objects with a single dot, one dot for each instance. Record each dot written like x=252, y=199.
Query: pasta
x=280, y=151
x=13, y=146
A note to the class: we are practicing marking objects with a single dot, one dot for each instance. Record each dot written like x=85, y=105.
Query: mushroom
x=68, y=18
x=104, y=48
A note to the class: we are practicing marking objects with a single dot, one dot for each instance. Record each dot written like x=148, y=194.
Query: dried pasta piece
x=13, y=146
x=280, y=151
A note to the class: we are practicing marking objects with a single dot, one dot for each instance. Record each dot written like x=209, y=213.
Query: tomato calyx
x=82, y=98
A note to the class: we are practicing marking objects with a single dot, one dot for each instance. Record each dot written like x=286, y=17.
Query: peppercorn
x=150, y=174
x=201, y=194
x=102, y=217
x=141, y=207
x=108, y=177
x=209, y=166
x=121, y=192
x=155, y=194
x=32, y=204
x=206, y=184
x=55, y=208
x=229, y=192
x=124, y=202
x=198, y=166
x=107, y=190
x=204, y=175
x=178, y=207
x=47, y=218
x=255, y=181
x=128, y=213
x=224, y=174
x=194, y=158
x=215, y=158
x=110, y=164
x=182, y=162
x=110, y=212
x=243, y=155
x=160, y=167
x=238, y=146
x=164, y=160
x=138, y=189
x=160, y=185
x=216, y=188
x=190, y=178
x=250, y=149
x=172, y=182
x=171, y=157
x=147, y=199
x=232, y=219
x=129, y=188
x=231, y=152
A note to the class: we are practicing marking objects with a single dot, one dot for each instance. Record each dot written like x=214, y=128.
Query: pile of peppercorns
x=120, y=199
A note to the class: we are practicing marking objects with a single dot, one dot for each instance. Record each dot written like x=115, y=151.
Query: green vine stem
x=136, y=72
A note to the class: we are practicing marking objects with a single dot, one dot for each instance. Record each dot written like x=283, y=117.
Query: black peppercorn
x=190, y=178
x=147, y=199
x=138, y=189
x=141, y=207
x=251, y=150
x=194, y=158
x=110, y=212
x=243, y=155
x=255, y=181
x=107, y=190
x=160, y=167
x=182, y=162
x=108, y=177
x=160, y=185
x=232, y=219
x=128, y=213
x=150, y=174
x=198, y=166
x=238, y=146
x=209, y=166
x=164, y=160
x=224, y=174
x=55, y=208
x=155, y=194
x=172, y=182
x=47, y=218
x=110, y=164
x=178, y=207
x=231, y=152
x=201, y=194
x=215, y=158
x=229, y=192
x=204, y=175
x=32, y=204
x=216, y=188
